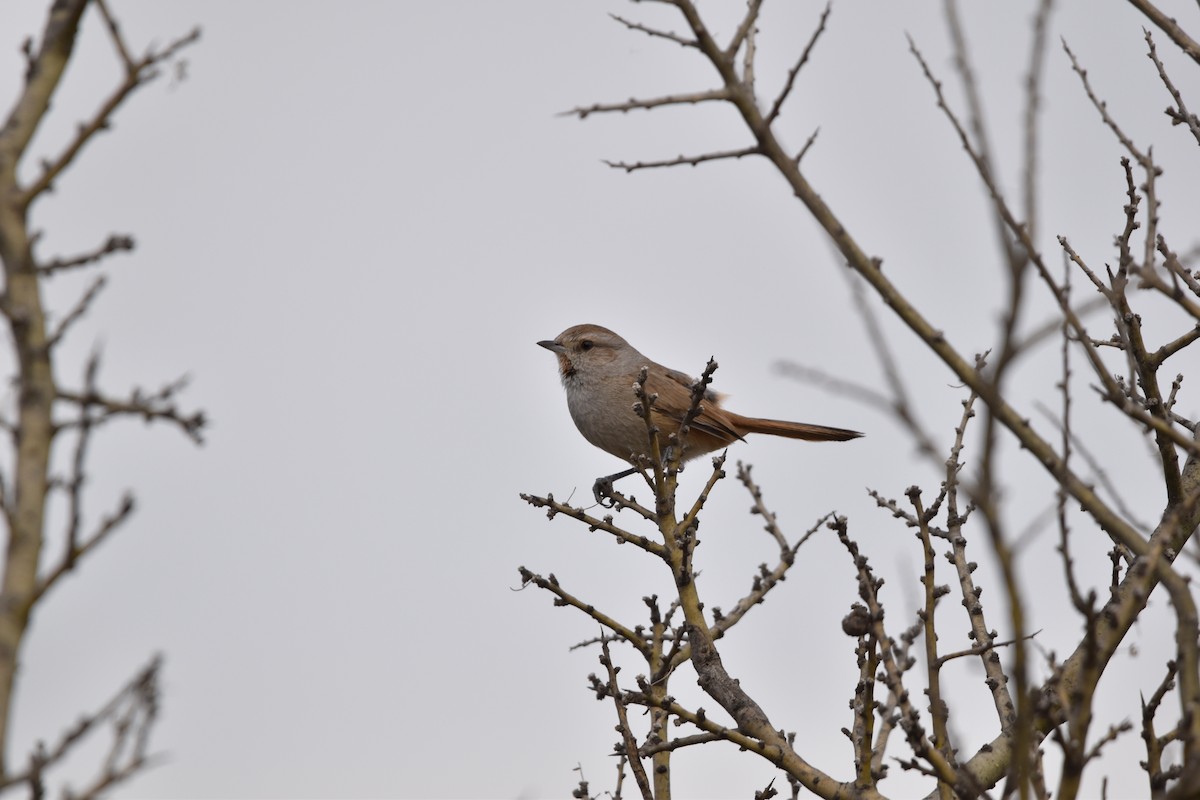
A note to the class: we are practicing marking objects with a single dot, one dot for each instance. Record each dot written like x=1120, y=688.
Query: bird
x=598, y=370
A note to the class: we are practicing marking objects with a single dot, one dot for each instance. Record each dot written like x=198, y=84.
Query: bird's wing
x=674, y=390
x=686, y=381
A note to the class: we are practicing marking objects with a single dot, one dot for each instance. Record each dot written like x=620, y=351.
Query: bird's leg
x=602, y=488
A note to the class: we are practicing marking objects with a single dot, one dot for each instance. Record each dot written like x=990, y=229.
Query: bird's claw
x=602, y=491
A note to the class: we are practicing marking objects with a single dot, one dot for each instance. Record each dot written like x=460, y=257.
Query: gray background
x=355, y=220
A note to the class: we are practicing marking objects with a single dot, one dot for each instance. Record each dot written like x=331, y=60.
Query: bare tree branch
x=113, y=244
x=1124, y=369
x=782, y=97
x=138, y=73
x=156, y=407
x=76, y=313
x=1179, y=114
x=132, y=713
x=682, y=160
x=668, y=35
x=26, y=486
x=634, y=104
x=1171, y=28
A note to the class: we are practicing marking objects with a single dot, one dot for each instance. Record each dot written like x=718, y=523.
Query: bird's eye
x=586, y=344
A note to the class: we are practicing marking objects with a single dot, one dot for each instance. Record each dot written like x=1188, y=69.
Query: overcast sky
x=355, y=220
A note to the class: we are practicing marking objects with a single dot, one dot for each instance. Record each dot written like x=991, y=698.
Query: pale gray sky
x=353, y=223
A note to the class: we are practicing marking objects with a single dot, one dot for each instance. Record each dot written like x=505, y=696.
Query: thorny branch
x=158, y=406
x=114, y=244
x=1033, y=712
x=131, y=714
x=27, y=484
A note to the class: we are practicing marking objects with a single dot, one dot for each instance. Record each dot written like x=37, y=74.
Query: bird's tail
x=793, y=430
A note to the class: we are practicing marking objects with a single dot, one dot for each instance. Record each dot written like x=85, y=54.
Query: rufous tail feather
x=793, y=430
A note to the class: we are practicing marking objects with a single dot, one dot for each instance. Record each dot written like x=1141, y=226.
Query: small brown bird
x=598, y=370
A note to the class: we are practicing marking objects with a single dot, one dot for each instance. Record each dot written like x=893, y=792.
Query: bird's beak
x=551, y=345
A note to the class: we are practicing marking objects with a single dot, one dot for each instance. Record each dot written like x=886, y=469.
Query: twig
x=678, y=743
x=138, y=73
x=997, y=679
x=114, y=244
x=654, y=33
x=593, y=524
x=808, y=143
x=901, y=403
x=156, y=407
x=107, y=526
x=689, y=521
x=565, y=598
x=75, y=485
x=683, y=160
x=76, y=313
x=771, y=524
x=1033, y=104
x=981, y=145
x=983, y=648
x=892, y=672
x=1102, y=107
x=634, y=104
x=777, y=106
x=1114, y=394
x=114, y=31
x=760, y=587
x=1179, y=115
x=132, y=712
x=1179, y=274
x=939, y=712
x=627, y=740
x=1168, y=26
x=745, y=29
x=1154, y=742
x=1097, y=470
